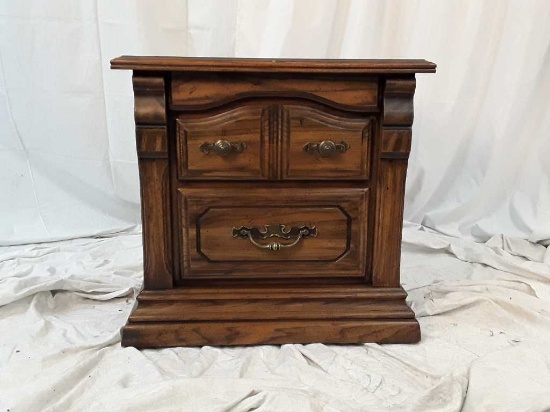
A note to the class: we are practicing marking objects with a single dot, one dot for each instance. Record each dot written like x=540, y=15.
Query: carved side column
x=395, y=146
x=152, y=150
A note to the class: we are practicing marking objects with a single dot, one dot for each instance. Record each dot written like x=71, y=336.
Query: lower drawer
x=272, y=233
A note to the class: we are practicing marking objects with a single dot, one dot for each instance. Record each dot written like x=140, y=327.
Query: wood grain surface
x=265, y=332
x=151, y=136
x=398, y=116
x=243, y=65
x=208, y=216
x=302, y=125
x=198, y=91
x=203, y=286
x=249, y=125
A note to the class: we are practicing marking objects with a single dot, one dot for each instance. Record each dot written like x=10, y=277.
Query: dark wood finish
x=232, y=149
x=396, y=142
x=196, y=91
x=335, y=66
x=150, y=105
x=209, y=250
x=151, y=142
x=398, y=101
x=389, y=223
x=263, y=332
x=392, y=171
x=272, y=314
x=249, y=124
x=302, y=125
x=152, y=138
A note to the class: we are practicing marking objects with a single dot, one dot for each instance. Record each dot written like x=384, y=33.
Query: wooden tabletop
x=202, y=64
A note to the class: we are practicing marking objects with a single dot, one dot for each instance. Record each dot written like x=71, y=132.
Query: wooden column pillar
x=394, y=149
x=152, y=149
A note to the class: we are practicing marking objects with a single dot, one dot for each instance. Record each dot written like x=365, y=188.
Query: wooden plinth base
x=341, y=314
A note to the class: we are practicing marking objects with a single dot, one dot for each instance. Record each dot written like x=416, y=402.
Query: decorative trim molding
x=152, y=149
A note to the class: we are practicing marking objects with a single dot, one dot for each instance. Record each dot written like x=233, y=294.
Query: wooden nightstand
x=272, y=200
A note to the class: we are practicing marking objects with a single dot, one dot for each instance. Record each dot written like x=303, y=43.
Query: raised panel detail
x=305, y=130
x=332, y=224
x=244, y=132
x=210, y=249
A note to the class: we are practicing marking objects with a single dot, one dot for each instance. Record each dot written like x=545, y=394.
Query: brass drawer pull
x=222, y=147
x=279, y=231
x=326, y=148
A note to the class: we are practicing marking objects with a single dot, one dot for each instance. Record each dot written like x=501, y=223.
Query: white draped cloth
x=484, y=312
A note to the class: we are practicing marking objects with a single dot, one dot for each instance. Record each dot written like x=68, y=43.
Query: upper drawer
x=321, y=145
x=196, y=91
x=233, y=144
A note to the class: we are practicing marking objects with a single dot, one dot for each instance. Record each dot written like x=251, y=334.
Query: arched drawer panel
x=233, y=144
x=199, y=91
x=320, y=145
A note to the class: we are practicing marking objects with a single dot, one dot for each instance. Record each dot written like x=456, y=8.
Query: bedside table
x=272, y=200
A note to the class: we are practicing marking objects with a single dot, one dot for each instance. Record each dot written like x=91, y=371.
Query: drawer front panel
x=250, y=233
x=203, y=91
x=250, y=222
x=230, y=145
x=320, y=145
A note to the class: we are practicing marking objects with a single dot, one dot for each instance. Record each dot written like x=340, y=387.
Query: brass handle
x=222, y=147
x=326, y=148
x=279, y=231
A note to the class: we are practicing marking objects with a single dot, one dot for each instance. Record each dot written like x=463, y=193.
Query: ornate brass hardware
x=222, y=147
x=279, y=231
x=326, y=148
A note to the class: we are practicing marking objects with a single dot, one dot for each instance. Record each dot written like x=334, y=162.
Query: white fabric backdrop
x=480, y=161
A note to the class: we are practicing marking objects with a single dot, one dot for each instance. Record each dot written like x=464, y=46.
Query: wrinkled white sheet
x=484, y=311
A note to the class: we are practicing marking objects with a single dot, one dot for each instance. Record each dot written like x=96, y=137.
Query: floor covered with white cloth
x=484, y=311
